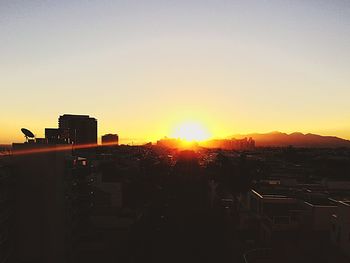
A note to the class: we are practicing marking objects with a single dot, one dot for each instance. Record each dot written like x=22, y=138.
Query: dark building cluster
x=155, y=203
x=75, y=129
x=232, y=144
x=225, y=144
x=72, y=129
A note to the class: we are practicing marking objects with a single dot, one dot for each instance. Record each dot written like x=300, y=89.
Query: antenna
x=27, y=134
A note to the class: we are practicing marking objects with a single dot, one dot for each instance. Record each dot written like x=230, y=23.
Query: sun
x=191, y=131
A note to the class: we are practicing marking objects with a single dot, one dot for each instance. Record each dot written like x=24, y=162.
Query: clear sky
x=141, y=67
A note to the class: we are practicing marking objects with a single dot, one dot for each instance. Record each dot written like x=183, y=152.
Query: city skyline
x=143, y=69
x=174, y=131
x=82, y=131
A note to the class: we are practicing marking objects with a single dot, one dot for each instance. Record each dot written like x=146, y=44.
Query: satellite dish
x=27, y=133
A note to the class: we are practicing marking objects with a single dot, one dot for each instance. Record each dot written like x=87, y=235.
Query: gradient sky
x=142, y=67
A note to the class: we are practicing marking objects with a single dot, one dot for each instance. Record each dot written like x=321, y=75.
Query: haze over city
x=144, y=68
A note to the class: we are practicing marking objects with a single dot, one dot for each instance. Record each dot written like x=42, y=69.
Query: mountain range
x=297, y=139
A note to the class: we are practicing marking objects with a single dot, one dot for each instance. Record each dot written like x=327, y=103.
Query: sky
x=144, y=67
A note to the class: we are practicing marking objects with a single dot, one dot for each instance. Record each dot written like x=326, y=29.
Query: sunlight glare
x=191, y=131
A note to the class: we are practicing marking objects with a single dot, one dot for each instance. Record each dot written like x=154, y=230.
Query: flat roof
x=271, y=194
x=347, y=203
x=321, y=202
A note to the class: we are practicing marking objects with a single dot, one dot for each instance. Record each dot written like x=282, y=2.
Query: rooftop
x=272, y=194
x=321, y=202
x=347, y=203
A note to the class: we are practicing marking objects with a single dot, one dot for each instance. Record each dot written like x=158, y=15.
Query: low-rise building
x=340, y=231
x=318, y=214
x=110, y=139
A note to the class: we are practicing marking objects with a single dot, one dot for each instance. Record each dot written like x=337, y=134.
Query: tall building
x=110, y=139
x=82, y=129
x=7, y=201
x=52, y=201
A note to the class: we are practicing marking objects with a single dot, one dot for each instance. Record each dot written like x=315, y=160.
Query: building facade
x=340, y=232
x=82, y=129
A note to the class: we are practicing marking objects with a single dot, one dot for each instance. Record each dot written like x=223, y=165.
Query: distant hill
x=297, y=139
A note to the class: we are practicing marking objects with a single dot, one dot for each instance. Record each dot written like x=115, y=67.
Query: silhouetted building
x=82, y=129
x=57, y=136
x=232, y=144
x=52, y=202
x=110, y=139
x=7, y=200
